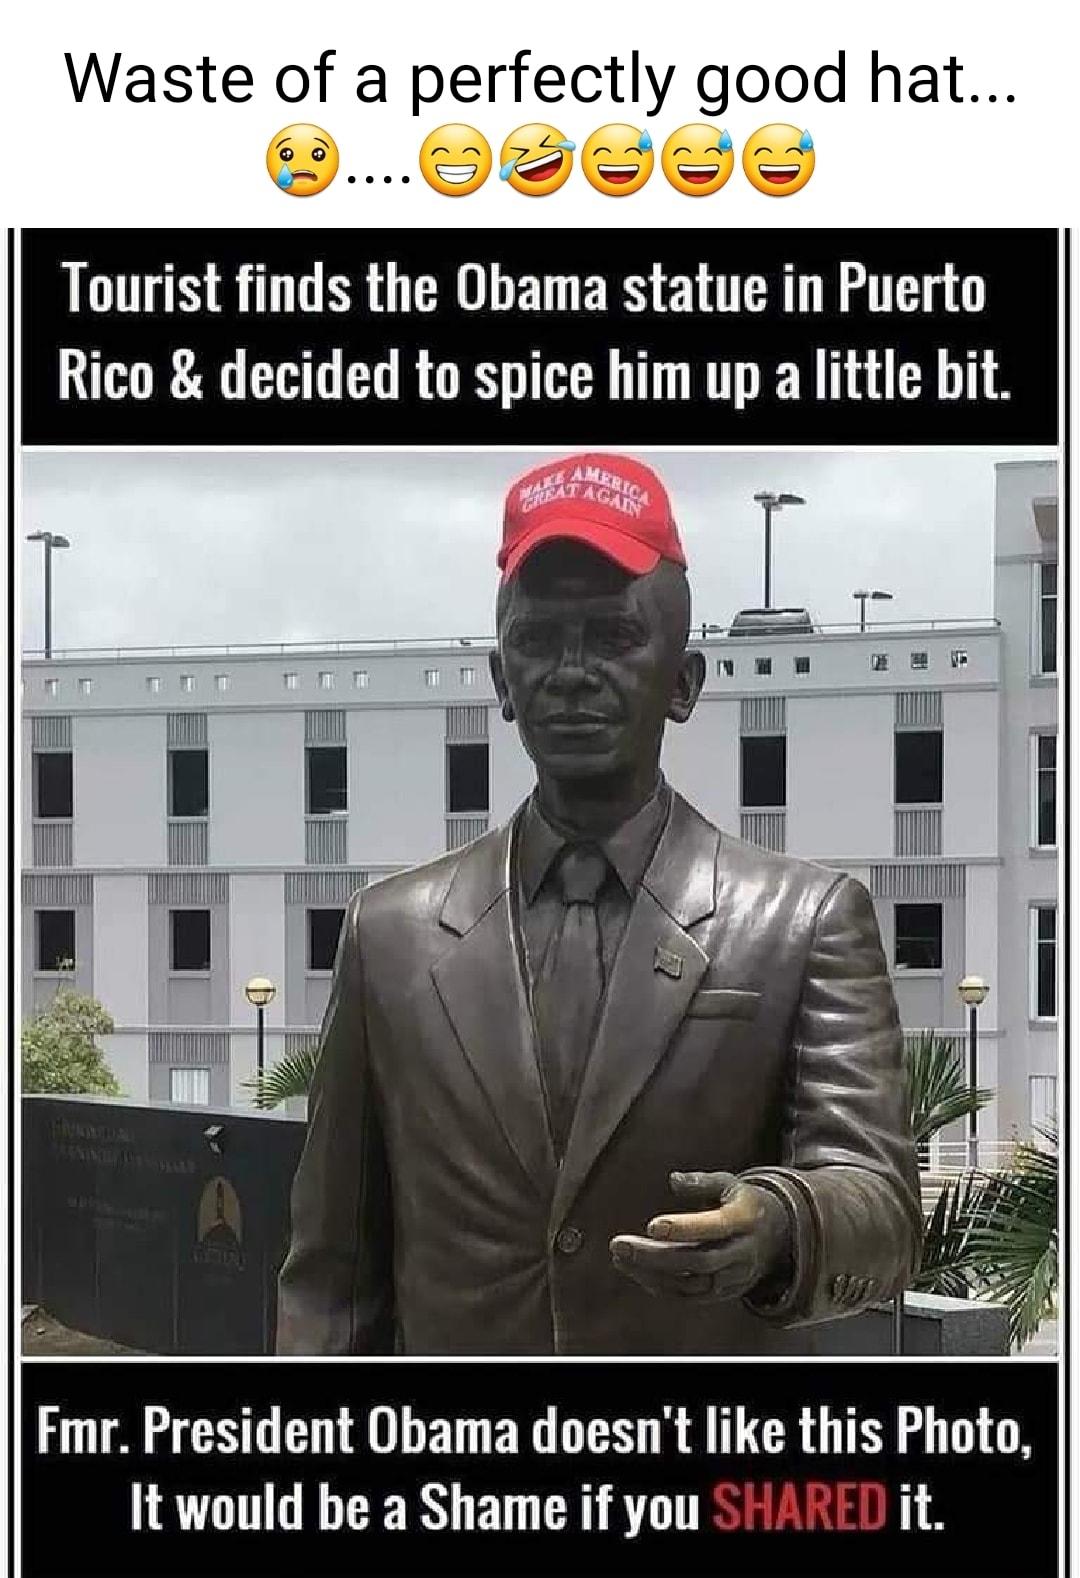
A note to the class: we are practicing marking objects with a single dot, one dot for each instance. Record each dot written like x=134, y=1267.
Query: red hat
x=611, y=503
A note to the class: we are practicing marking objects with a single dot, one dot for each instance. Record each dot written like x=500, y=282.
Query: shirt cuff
x=794, y=1193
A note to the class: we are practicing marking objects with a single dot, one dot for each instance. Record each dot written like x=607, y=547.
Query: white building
x=195, y=818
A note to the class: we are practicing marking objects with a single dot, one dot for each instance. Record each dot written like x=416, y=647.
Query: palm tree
x=289, y=1077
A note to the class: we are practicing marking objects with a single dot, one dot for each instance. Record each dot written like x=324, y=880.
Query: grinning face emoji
x=698, y=159
x=779, y=160
x=302, y=160
x=536, y=160
x=455, y=160
x=618, y=160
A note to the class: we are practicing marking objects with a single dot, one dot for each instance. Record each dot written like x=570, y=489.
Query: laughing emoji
x=455, y=160
x=617, y=160
x=536, y=160
x=698, y=159
x=302, y=160
x=779, y=160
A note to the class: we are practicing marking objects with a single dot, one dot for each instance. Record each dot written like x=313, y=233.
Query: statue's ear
x=498, y=679
x=688, y=683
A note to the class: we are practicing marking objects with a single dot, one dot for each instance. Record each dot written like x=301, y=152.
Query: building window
x=327, y=790
x=360, y=678
x=85, y=686
x=920, y=660
x=153, y=684
x=802, y=665
x=290, y=681
x=326, y=680
x=187, y=682
x=725, y=668
x=918, y=937
x=919, y=766
x=1045, y=790
x=764, y=770
x=467, y=778
x=55, y=940
x=958, y=657
x=221, y=681
x=1048, y=618
x=323, y=931
x=52, y=687
x=468, y=676
x=763, y=665
x=53, y=786
x=879, y=662
x=190, y=1086
x=1042, y=1105
x=431, y=677
x=189, y=783
x=1044, y=961
x=189, y=940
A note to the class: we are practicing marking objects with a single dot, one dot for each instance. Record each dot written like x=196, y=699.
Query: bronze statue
x=607, y=1081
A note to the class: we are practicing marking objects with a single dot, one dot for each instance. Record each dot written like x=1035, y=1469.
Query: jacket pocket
x=723, y=1003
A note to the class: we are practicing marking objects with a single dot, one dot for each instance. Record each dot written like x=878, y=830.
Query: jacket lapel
x=656, y=972
x=479, y=981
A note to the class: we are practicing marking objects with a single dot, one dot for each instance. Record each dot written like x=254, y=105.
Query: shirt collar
x=628, y=849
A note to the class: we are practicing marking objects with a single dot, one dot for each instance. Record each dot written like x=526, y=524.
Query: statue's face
x=591, y=660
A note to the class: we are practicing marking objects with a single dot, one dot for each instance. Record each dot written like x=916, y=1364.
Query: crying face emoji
x=302, y=160
x=698, y=159
x=617, y=160
x=536, y=160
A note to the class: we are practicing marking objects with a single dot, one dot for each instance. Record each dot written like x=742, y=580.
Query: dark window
x=323, y=930
x=764, y=769
x=326, y=783
x=1046, y=790
x=467, y=778
x=725, y=668
x=190, y=941
x=763, y=665
x=920, y=660
x=1046, y=962
x=918, y=767
x=55, y=939
x=189, y=783
x=1048, y=618
x=879, y=662
x=52, y=784
x=802, y=665
x=918, y=936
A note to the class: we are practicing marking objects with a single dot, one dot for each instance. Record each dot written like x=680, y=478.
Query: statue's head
x=593, y=617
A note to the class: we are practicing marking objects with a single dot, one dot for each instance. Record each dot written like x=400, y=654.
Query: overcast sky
x=210, y=549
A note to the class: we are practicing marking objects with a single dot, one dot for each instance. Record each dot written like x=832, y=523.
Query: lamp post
x=973, y=990
x=51, y=540
x=260, y=992
x=874, y=597
x=771, y=503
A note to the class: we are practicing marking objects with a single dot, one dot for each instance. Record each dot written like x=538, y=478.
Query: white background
x=203, y=164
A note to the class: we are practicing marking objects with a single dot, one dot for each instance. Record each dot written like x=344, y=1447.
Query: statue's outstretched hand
x=733, y=1236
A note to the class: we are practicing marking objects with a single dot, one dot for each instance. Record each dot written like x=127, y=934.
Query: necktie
x=570, y=987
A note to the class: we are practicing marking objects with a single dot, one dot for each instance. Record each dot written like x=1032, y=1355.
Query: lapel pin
x=667, y=963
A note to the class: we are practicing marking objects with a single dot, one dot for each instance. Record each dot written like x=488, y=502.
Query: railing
x=917, y=832
x=51, y=843
x=767, y=829
x=462, y=828
x=326, y=840
x=949, y=1157
x=188, y=841
x=706, y=632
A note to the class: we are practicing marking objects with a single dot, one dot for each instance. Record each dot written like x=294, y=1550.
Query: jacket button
x=568, y=1240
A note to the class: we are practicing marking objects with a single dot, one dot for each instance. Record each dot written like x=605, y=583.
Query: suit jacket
x=749, y=1025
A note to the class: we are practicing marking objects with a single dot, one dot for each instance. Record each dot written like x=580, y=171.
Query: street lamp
x=51, y=539
x=259, y=992
x=771, y=503
x=874, y=597
x=973, y=990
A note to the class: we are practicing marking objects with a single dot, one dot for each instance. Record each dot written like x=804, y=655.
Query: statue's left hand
x=737, y=1236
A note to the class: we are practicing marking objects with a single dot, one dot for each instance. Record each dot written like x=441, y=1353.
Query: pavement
x=44, y=1337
